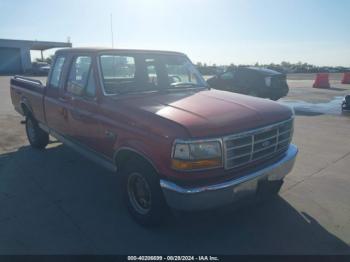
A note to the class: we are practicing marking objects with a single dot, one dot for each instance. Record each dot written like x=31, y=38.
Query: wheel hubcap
x=139, y=193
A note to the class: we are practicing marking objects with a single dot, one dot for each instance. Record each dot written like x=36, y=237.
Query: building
x=15, y=54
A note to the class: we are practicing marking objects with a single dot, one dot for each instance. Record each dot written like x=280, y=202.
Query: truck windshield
x=124, y=73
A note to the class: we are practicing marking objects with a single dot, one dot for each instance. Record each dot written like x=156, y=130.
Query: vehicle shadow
x=56, y=202
x=337, y=89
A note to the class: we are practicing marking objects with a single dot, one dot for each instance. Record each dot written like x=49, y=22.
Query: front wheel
x=37, y=137
x=142, y=193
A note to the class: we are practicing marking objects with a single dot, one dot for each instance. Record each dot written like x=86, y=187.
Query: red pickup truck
x=150, y=117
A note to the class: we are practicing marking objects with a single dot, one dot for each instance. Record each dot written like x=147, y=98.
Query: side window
x=56, y=72
x=78, y=75
x=118, y=72
x=227, y=76
x=118, y=67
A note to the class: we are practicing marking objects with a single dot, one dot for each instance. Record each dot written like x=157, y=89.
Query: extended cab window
x=79, y=76
x=56, y=72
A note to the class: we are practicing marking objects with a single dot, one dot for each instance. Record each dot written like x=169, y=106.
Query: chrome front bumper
x=199, y=198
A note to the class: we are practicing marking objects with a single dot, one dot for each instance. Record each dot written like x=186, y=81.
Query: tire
x=274, y=98
x=151, y=208
x=37, y=137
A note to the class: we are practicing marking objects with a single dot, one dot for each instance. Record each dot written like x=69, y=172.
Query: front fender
x=154, y=155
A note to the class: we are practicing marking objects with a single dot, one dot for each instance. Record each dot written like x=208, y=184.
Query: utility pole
x=112, y=36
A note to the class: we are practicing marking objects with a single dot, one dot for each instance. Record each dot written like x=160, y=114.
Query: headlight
x=268, y=81
x=196, y=155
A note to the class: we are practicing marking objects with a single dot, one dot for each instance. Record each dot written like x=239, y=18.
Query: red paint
x=346, y=78
x=321, y=81
x=150, y=122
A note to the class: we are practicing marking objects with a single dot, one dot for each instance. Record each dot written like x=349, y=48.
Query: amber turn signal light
x=197, y=164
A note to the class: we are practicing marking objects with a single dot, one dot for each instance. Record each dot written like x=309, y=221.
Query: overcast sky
x=211, y=31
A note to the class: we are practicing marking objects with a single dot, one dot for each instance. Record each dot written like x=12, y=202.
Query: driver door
x=80, y=91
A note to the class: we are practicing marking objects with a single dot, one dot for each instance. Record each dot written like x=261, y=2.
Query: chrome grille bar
x=264, y=143
x=278, y=138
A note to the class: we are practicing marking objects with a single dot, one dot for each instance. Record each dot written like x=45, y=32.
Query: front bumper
x=206, y=197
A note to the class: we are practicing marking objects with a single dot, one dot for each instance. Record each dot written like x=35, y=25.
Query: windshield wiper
x=128, y=90
x=136, y=90
x=173, y=86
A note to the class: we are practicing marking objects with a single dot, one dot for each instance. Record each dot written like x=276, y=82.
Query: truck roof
x=101, y=49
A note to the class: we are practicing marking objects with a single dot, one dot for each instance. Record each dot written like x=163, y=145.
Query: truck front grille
x=263, y=143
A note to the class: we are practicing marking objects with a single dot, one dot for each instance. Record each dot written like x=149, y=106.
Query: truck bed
x=27, y=94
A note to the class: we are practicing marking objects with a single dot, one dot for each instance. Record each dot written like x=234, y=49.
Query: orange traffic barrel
x=346, y=78
x=321, y=81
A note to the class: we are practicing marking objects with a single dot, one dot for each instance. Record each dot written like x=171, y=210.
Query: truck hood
x=210, y=113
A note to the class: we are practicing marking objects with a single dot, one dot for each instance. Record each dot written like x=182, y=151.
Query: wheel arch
x=124, y=154
x=26, y=108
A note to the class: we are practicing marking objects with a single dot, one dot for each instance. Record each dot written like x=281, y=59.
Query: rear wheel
x=37, y=137
x=142, y=193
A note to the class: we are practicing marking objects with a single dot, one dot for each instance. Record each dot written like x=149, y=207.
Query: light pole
x=112, y=36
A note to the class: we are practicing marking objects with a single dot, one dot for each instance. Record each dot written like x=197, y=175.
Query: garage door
x=10, y=60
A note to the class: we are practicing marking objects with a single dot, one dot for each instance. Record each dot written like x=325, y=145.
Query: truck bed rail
x=28, y=80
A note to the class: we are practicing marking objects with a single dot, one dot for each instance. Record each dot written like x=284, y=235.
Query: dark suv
x=252, y=81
